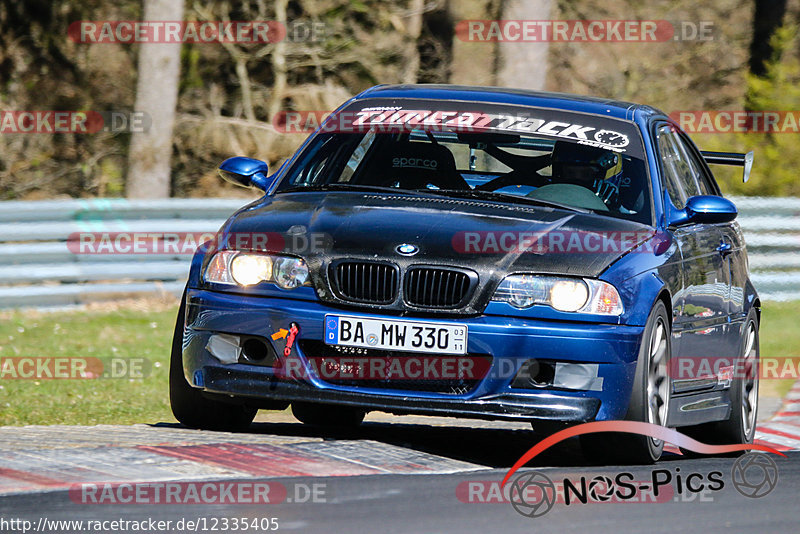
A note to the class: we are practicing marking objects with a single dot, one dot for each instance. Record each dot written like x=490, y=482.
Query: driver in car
x=596, y=169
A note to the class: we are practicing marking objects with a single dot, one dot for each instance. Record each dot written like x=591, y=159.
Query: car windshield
x=598, y=169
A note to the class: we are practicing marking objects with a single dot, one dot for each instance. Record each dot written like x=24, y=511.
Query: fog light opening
x=254, y=350
x=541, y=374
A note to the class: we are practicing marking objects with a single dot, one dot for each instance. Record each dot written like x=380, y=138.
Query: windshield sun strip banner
x=394, y=115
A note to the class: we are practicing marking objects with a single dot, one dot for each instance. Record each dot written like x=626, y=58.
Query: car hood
x=488, y=237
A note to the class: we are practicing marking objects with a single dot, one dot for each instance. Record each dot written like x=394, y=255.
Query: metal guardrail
x=38, y=268
x=771, y=228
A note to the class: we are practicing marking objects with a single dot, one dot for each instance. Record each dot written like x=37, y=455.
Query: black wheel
x=327, y=415
x=649, y=400
x=740, y=426
x=189, y=406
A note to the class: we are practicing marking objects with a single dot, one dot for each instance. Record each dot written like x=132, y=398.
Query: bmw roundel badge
x=407, y=249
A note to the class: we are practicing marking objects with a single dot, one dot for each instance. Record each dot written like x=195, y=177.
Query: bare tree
x=278, y=57
x=413, y=27
x=473, y=63
x=156, y=95
x=523, y=65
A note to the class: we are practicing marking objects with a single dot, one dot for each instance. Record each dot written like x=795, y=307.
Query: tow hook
x=293, y=331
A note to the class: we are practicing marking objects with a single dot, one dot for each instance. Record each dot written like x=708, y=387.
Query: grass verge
x=146, y=333
x=120, y=334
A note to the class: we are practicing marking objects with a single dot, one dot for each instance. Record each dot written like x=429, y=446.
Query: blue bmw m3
x=481, y=253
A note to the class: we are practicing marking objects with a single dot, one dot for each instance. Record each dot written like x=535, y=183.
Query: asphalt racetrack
x=399, y=477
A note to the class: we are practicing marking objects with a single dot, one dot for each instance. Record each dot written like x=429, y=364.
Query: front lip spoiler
x=242, y=385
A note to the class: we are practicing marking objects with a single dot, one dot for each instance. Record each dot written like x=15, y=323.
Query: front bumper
x=509, y=341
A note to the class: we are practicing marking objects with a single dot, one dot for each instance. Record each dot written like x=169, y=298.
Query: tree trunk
x=473, y=63
x=279, y=64
x=522, y=64
x=156, y=96
x=413, y=26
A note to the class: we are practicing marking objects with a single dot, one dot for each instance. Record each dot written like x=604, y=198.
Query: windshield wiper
x=347, y=187
x=463, y=193
x=502, y=197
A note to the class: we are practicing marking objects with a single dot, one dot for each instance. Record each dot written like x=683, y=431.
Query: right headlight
x=581, y=295
x=233, y=267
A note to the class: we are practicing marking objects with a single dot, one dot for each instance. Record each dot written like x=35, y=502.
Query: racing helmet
x=594, y=168
x=582, y=164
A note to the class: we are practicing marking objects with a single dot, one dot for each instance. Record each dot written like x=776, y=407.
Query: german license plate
x=411, y=336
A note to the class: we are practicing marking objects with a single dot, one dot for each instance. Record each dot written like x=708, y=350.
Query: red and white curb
x=45, y=458
x=782, y=431
x=39, y=459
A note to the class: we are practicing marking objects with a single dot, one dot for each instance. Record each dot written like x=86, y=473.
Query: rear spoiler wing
x=731, y=158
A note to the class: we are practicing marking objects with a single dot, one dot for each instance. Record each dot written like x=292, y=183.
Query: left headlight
x=233, y=267
x=581, y=295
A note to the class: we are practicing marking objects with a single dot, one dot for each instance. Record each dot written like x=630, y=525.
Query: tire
x=649, y=400
x=327, y=415
x=740, y=427
x=189, y=406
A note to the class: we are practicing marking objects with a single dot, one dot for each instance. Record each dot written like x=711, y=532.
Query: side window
x=669, y=164
x=357, y=156
x=705, y=184
x=313, y=164
x=704, y=181
x=686, y=173
x=318, y=165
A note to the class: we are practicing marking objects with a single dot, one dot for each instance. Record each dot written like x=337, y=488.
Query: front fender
x=196, y=268
x=643, y=274
x=642, y=290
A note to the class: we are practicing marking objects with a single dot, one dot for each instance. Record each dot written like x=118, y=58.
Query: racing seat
x=632, y=192
x=416, y=165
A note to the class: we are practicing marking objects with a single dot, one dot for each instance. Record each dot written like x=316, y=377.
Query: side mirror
x=706, y=209
x=245, y=172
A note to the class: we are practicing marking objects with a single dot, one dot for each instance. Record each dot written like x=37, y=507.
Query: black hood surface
x=490, y=238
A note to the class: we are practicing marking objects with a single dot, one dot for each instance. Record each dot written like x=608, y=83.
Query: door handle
x=724, y=249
